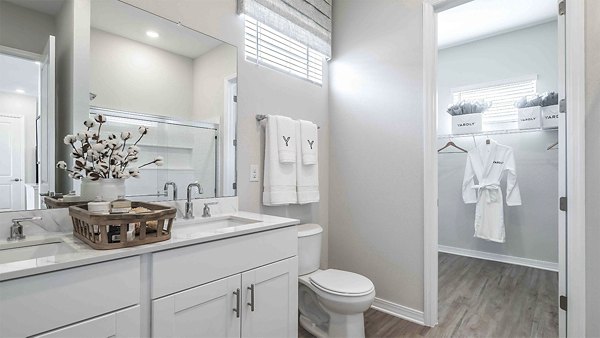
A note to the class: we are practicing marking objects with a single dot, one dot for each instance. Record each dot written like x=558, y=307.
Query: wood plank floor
x=479, y=298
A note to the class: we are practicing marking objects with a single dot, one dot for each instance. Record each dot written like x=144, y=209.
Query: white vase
x=108, y=188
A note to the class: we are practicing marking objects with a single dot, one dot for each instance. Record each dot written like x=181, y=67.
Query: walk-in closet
x=499, y=167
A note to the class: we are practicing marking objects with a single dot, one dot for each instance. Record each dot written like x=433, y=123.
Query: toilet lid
x=342, y=282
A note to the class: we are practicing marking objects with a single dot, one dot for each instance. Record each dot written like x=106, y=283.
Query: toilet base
x=340, y=326
x=349, y=326
x=311, y=327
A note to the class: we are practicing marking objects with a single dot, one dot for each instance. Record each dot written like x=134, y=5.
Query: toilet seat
x=342, y=283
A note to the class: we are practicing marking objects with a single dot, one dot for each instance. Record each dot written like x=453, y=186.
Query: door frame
x=575, y=148
x=229, y=128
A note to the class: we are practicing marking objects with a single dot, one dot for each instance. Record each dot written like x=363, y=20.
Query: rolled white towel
x=286, y=139
x=310, y=145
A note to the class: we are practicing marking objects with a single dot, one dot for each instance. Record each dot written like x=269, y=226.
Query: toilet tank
x=309, y=248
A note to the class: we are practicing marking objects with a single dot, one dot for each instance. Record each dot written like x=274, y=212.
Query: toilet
x=331, y=302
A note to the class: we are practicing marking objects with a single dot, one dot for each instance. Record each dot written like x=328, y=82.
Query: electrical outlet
x=254, y=173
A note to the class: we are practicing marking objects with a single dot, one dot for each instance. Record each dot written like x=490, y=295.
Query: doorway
x=570, y=78
x=19, y=102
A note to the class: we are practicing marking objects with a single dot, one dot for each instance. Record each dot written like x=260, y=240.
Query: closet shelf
x=497, y=132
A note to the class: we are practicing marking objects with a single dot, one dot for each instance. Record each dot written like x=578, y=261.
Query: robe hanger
x=552, y=146
x=452, y=144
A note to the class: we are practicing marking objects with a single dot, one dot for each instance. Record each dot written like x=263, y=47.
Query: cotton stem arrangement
x=95, y=157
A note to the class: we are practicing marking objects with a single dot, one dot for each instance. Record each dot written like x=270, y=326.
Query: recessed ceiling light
x=20, y=91
x=152, y=34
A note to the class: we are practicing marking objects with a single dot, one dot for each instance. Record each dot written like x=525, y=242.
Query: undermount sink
x=26, y=250
x=216, y=224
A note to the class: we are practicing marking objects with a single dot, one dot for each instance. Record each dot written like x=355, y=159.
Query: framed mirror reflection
x=145, y=73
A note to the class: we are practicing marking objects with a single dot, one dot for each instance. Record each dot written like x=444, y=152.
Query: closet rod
x=497, y=132
x=260, y=117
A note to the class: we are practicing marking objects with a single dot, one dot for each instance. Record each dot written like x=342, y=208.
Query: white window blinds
x=502, y=95
x=305, y=21
x=267, y=47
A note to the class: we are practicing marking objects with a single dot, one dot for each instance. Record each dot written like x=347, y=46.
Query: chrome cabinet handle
x=251, y=304
x=238, y=303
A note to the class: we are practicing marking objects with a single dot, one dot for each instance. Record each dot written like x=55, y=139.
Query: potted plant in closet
x=550, y=110
x=467, y=116
x=104, y=163
x=529, y=112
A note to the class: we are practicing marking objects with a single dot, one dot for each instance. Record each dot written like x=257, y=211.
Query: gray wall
x=260, y=91
x=133, y=76
x=23, y=28
x=531, y=229
x=529, y=51
x=592, y=166
x=376, y=184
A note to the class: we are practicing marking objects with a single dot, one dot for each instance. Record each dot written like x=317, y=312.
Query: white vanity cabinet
x=42, y=303
x=120, y=324
x=270, y=300
x=244, y=286
x=258, y=303
x=203, y=311
x=239, y=286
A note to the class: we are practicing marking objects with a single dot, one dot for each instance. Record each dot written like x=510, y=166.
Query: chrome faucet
x=166, y=189
x=206, y=211
x=16, y=229
x=189, y=205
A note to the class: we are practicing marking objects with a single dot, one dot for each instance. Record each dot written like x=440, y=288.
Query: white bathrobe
x=486, y=164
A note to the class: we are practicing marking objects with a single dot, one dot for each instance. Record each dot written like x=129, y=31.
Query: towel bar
x=260, y=117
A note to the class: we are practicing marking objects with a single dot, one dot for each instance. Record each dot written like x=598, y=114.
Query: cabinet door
x=120, y=324
x=270, y=300
x=203, y=311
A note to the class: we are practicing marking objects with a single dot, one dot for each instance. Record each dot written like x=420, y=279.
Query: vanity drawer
x=183, y=268
x=44, y=302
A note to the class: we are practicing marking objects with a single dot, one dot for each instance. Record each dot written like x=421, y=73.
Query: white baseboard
x=544, y=265
x=399, y=311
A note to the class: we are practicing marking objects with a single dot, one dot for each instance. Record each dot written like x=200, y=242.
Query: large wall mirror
x=144, y=71
x=180, y=84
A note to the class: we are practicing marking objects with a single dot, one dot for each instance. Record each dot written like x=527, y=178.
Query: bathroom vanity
x=228, y=276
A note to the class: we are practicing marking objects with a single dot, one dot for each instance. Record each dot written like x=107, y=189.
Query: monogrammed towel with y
x=307, y=178
x=280, y=178
x=310, y=145
x=286, y=139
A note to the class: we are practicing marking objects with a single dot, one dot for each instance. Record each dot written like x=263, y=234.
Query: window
x=267, y=47
x=502, y=95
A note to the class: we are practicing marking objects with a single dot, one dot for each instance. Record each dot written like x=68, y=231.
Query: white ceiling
x=121, y=19
x=484, y=18
x=18, y=73
x=50, y=7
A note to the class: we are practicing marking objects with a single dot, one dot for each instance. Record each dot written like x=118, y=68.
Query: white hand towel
x=280, y=178
x=286, y=139
x=310, y=144
x=307, y=178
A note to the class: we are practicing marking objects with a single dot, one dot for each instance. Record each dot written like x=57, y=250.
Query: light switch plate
x=254, y=173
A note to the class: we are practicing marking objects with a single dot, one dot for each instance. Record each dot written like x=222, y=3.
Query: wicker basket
x=99, y=231
x=55, y=203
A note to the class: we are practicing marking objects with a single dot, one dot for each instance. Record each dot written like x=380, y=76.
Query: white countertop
x=83, y=254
